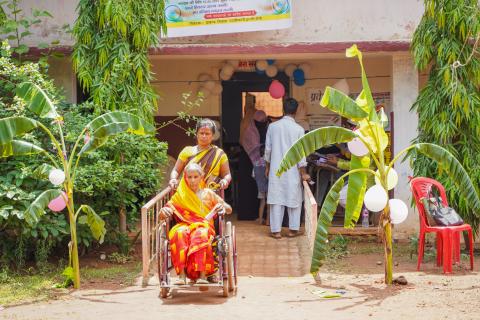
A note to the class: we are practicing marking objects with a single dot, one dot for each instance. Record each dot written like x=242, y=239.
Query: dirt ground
x=356, y=279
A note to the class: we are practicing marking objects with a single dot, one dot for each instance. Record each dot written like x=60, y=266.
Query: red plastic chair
x=448, y=238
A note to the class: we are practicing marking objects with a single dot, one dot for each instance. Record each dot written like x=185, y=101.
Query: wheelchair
x=225, y=251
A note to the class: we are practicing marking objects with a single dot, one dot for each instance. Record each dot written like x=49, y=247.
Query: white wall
x=313, y=21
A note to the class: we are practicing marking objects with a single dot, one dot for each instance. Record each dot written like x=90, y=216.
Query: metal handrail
x=150, y=222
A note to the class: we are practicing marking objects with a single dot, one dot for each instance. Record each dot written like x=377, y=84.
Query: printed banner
x=202, y=17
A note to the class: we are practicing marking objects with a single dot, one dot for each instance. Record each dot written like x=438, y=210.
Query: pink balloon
x=58, y=204
x=277, y=90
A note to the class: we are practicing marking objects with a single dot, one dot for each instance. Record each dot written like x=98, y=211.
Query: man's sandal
x=276, y=235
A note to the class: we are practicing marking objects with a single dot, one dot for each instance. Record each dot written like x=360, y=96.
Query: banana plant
x=93, y=136
x=370, y=132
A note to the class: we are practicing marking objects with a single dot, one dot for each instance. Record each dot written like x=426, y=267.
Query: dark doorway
x=244, y=192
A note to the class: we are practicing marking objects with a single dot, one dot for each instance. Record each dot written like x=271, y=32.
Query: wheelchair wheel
x=162, y=260
x=230, y=262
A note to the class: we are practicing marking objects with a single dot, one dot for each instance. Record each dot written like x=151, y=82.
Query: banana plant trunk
x=387, y=243
x=73, y=232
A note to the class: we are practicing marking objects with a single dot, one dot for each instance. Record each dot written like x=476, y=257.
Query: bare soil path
x=274, y=284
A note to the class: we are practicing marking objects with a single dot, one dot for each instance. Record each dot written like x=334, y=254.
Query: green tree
x=372, y=134
x=110, y=55
x=93, y=136
x=445, y=44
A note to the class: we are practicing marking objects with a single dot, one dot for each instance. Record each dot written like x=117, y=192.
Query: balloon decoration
x=357, y=147
x=270, y=62
x=204, y=77
x=58, y=204
x=206, y=93
x=271, y=71
x=392, y=178
x=376, y=198
x=209, y=85
x=299, y=77
x=56, y=177
x=398, y=211
x=276, y=89
x=289, y=69
x=306, y=69
x=342, y=85
x=261, y=65
x=217, y=89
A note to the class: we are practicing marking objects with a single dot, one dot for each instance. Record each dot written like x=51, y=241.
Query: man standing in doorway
x=286, y=190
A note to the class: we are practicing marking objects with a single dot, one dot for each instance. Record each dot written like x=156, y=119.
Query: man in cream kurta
x=286, y=190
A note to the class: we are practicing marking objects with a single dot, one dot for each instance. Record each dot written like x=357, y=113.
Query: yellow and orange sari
x=192, y=236
x=211, y=161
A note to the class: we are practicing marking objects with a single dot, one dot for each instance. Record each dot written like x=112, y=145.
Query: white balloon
x=261, y=65
x=307, y=69
x=228, y=69
x=376, y=198
x=289, y=68
x=271, y=71
x=217, y=89
x=224, y=76
x=392, y=178
x=56, y=176
x=205, y=91
x=342, y=85
x=209, y=85
x=204, y=77
x=357, y=147
x=398, y=211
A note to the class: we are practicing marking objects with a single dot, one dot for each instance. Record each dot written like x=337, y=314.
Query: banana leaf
x=37, y=207
x=342, y=104
x=367, y=92
x=18, y=148
x=42, y=171
x=135, y=124
x=357, y=185
x=312, y=141
x=329, y=208
x=94, y=221
x=454, y=169
x=12, y=127
x=37, y=100
x=101, y=135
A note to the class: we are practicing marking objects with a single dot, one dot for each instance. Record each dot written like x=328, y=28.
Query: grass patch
x=17, y=289
x=26, y=288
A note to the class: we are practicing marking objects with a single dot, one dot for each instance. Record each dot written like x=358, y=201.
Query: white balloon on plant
x=398, y=211
x=392, y=178
x=357, y=147
x=271, y=71
x=56, y=177
x=376, y=198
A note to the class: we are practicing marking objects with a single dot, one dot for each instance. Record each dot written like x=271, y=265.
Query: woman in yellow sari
x=193, y=208
x=212, y=159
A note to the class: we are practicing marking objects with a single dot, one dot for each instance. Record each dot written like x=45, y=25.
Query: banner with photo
x=203, y=17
